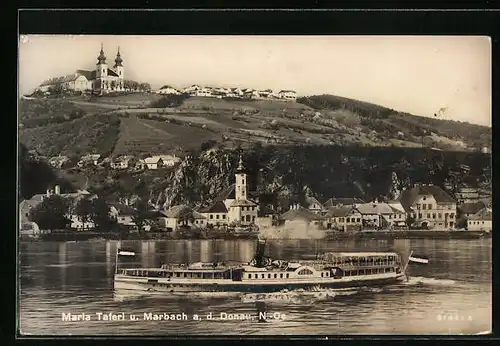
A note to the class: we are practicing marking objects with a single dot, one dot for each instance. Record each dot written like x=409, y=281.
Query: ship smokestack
x=259, y=253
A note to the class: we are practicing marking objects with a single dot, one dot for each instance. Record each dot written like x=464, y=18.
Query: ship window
x=281, y=276
x=249, y=276
x=268, y=276
x=263, y=276
x=347, y=273
x=275, y=276
x=354, y=273
x=178, y=275
x=185, y=275
x=387, y=270
x=305, y=272
x=362, y=272
x=327, y=274
x=322, y=274
x=287, y=275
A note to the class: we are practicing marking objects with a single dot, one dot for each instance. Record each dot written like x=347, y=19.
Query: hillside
x=122, y=124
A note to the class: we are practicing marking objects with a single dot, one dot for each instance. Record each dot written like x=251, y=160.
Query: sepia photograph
x=177, y=185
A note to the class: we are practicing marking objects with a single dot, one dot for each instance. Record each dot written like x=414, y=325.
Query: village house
x=92, y=159
x=469, y=208
x=430, y=206
x=168, y=90
x=288, y=95
x=466, y=210
x=398, y=217
x=192, y=90
x=342, y=202
x=121, y=162
x=233, y=206
x=466, y=194
x=481, y=221
x=58, y=161
x=26, y=206
x=265, y=94
x=159, y=161
x=313, y=204
x=123, y=214
x=181, y=216
x=235, y=92
x=343, y=219
x=216, y=214
x=298, y=213
x=375, y=215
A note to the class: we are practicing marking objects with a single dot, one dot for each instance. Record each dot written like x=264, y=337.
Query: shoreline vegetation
x=376, y=235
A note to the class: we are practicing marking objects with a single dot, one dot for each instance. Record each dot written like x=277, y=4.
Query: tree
x=56, y=89
x=141, y=213
x=410, y=220
x=51, y=213
x=83, y=210
x=186, y=216
x=101, y=215
x=35, y=175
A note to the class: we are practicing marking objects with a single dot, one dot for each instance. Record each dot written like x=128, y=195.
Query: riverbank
x=411, y=234
x=329, y=235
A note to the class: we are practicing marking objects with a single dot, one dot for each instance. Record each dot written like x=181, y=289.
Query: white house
x=313, y=204
x=375, y=214
x=121, y=162
x=343, y=219
x=191, y=90
x=92, y=159
x=123, y=214
x=58, y=161
x=287, y=95
x=430, y=206
x=481, y=221
x=158, y=161
x=265, y=94
x=298, y=213
x=182, y=216
x=168, y=90
x=205, y=92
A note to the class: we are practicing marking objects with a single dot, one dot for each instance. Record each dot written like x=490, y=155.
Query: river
x=450, y=295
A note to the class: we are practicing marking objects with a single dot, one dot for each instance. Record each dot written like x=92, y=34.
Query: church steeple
x=101, y=59
x=241, y=181
x=241, y=168
x=118, y=60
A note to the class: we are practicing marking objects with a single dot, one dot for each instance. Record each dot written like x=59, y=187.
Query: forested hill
x=475, y=136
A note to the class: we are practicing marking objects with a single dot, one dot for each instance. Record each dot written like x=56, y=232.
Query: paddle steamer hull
x=172, y=286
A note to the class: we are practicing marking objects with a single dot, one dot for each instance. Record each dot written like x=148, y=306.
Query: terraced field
x=126, y=125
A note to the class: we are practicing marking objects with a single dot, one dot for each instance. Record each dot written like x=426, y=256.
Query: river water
x=451, y=295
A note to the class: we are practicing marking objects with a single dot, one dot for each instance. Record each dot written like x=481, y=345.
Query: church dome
x=118, y=60
x=101, y=59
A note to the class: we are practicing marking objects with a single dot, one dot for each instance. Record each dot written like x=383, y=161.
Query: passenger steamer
x=264, y=275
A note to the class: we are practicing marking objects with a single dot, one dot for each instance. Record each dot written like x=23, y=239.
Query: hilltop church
x=103, y=79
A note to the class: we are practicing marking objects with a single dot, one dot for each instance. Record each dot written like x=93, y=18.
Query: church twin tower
x=109, y=78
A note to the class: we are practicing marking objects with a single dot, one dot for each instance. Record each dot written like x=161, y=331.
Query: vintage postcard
x=254, y=185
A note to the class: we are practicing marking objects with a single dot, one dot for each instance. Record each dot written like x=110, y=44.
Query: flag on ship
x=418, y=259
x=126, y=252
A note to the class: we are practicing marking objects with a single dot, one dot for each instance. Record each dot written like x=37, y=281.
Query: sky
x=422, y=75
